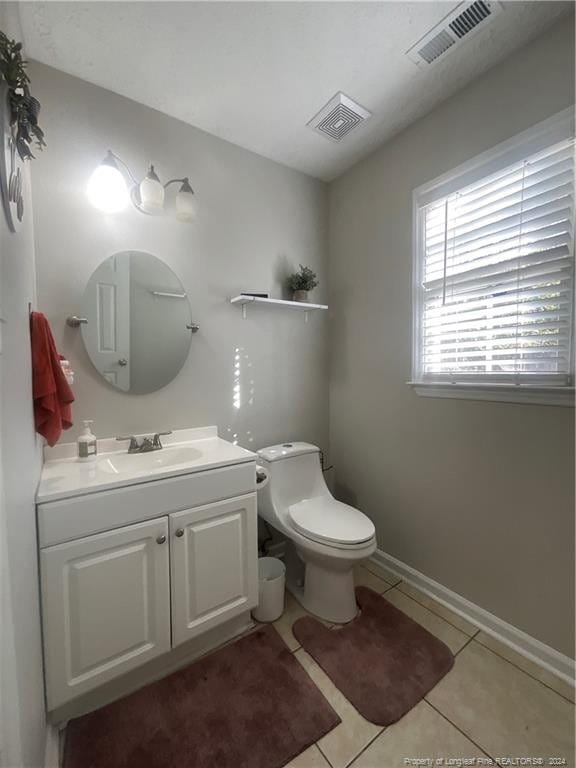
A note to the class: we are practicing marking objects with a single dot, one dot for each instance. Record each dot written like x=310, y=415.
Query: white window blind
x=495, y=276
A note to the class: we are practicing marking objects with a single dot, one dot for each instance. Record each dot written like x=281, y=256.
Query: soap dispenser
x=87, y=445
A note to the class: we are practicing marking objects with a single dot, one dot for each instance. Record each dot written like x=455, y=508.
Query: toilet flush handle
x=262, y=477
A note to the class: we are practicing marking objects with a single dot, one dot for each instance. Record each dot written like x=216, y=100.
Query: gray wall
x=476, y=495
x=22, y=725
x=256, y=219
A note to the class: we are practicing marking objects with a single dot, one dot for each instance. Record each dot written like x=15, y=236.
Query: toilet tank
x=295, y=474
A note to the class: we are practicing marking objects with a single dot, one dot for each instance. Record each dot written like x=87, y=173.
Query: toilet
x=326, y=538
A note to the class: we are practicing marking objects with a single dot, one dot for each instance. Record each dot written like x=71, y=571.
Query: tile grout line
x=523, y=670
x=414, y=599
x=380, y=732
x=433, y=614
x=375, y=576
x=317, y=743
x=375, y=573
x=467, y=643
x=470, y=739
x=474, y=636
x=321, y=752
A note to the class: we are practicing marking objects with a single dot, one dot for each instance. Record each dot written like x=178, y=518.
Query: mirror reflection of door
x=138, y=331
x=107, y=333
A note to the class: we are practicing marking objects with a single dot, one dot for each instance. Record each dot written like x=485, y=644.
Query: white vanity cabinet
x=214, y=562
x=106, y=606
x=134, y=571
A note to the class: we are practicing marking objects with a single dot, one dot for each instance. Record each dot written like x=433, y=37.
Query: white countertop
x=185, y=451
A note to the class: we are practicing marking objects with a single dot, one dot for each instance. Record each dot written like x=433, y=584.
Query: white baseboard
x=52, y=749
x=538, y=652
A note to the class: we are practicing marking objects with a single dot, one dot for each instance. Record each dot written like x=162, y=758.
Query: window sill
x=500, y=393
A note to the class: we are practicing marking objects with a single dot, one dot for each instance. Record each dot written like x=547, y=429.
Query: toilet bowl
x=326, y=538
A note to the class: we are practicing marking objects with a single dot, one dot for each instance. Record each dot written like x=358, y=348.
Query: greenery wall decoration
x=303, y=280
x=24, y=107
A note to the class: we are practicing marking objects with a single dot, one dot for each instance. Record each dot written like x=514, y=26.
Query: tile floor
x=492, y=704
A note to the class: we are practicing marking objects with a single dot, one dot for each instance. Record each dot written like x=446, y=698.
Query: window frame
x=553, y=130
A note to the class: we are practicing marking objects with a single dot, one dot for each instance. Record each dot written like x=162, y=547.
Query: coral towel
x=52, y=393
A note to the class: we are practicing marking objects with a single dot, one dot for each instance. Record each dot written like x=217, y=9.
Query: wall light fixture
x=113, y=185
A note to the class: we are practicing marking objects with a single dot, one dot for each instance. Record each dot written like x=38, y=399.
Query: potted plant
x=301, y=282
x=24, y=107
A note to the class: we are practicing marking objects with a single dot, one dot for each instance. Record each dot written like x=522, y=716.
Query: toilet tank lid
x=286, y=451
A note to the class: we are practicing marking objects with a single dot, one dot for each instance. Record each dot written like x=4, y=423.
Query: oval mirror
x=137, y=315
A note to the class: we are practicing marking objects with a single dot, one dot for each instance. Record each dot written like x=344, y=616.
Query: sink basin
x=185, y=451
x=120, y=463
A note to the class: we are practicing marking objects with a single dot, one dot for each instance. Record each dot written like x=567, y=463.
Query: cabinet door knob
x=161, y=539
x=180, y=532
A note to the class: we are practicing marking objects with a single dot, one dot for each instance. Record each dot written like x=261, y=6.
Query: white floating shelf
x=243, y=302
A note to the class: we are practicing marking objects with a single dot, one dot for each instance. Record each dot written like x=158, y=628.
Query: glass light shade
x=185, y=204
x=151, y=193
x=107, y=189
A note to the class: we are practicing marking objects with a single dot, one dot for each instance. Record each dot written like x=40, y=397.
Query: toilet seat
x=328, y=521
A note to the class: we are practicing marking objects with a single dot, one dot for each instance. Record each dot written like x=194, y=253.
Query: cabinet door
x=214, y=565
x=106, y=606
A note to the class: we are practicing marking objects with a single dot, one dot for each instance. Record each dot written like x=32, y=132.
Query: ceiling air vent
x=454, y=29
x=337, y=118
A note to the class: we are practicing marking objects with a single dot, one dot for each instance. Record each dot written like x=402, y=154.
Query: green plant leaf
x=24, y=107
x=304, y=280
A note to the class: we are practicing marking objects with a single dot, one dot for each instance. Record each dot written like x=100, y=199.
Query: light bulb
x=107, y=189
x=185, y=203
x=151, y=193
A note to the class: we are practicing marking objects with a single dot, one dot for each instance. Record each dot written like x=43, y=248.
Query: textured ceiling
x=254, y=73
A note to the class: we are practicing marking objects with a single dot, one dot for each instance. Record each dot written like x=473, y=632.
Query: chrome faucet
x=145, y=444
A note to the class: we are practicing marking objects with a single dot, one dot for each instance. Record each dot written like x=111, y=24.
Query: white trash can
x=271, y=581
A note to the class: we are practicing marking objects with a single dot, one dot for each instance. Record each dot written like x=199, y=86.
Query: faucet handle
x=156, y=438
x=134, y=445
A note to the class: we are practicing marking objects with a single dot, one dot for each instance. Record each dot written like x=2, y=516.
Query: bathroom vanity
x=143, y=556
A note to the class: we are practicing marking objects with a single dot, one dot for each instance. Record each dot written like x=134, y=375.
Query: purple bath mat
x=383, y=661
x=249, y=704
